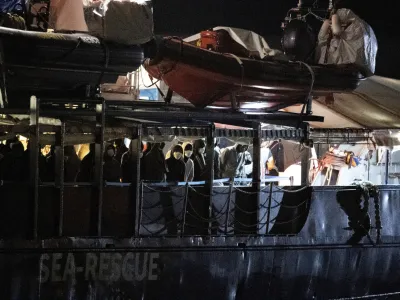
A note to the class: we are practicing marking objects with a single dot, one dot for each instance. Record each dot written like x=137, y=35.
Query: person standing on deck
x=232, y=160
x=189, y=165
x=200, y=167
x=176, y=165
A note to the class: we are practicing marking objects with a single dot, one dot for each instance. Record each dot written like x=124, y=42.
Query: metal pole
x=136, y=149
x=185, y=203
x=305, y=160
x=228, y=207
x=60, y=182
x=305, y=167
x=269, y=207
x=34, y=159
x=210, y=164
x=369, y=165
x=257, y=168
x=257, y=157
x=387, y=167
x=99, y=153
x=140, y=215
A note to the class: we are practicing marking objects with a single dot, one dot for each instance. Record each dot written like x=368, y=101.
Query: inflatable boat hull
x=206, y=77
x=61, y=64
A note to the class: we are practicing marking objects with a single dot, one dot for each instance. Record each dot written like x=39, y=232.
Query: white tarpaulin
x=374, y=104
x=356, y=44
x=250, y=40
x=67, y=15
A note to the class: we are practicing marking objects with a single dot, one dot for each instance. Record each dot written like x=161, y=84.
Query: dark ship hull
x=315, y=263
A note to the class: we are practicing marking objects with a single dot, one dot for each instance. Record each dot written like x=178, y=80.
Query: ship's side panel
x=314, y=263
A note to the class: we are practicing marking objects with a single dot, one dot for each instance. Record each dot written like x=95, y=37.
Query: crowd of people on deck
x=182, y=162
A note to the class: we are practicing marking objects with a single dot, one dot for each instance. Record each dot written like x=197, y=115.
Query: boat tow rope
x=369, y=296
x=66, y=54
x=162, y=72
x=308, y=98
x=151, y=79
x=241, y=67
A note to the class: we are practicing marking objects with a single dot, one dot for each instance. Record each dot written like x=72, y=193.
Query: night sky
x=186, y=17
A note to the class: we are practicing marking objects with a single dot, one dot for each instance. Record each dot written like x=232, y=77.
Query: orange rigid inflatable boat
x=214, y=70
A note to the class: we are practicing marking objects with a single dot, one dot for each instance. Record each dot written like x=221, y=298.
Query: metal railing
x=173, y=209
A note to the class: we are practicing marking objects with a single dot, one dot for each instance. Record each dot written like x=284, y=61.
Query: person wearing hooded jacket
x=189, y=165
x=232, y=160
x=176, y=165
x=41, y=160
x=111, y=167
x=126, y=164
x=13, y=167
x=86, y=173
x=120, y=150
x=154, y=168
x=200, y=167
x=71, y=164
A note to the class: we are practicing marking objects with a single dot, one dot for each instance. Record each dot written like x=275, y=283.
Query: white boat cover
x=250, y=40
x=356, y=44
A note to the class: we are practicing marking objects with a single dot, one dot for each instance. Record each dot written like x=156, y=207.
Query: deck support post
x=136, y=148
x=59, y=174
x=305, y=159
x=97, y=197
x=256, y=185
x=210, y=155
x=387, y=167
x=34, y=160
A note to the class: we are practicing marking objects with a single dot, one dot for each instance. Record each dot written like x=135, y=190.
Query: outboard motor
x=299, y=38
